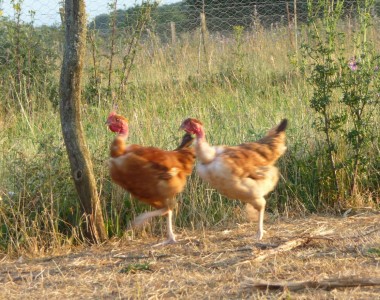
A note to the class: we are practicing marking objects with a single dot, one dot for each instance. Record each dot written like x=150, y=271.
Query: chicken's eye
x=117, y=120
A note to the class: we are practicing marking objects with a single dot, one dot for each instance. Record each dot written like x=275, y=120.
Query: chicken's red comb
x=192, y=120
x=112, y=113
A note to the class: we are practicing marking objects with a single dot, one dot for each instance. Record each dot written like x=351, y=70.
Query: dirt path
x=221, y=264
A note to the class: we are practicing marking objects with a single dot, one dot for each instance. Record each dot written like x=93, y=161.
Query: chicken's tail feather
x=278, y=129
x=186, y=142
x=282, y=126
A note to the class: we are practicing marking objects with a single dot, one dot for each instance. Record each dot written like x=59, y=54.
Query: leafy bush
x=345, y=97
x=29, y=60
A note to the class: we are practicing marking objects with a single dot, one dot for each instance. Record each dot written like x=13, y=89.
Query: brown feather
x=150, y=174
x=252, y=159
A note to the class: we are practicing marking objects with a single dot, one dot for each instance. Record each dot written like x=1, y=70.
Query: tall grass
x=245, y=91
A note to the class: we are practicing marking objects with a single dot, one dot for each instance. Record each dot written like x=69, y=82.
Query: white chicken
x=245, y=172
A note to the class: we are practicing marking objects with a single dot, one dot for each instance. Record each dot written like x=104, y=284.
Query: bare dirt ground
x=218, y=264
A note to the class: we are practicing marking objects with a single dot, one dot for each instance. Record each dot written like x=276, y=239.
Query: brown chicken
x=151, y=175
x=245, y=172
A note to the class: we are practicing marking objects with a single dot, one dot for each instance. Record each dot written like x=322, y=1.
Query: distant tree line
x=161, y=17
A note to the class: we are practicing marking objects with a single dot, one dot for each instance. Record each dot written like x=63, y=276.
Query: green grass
x=39, y=209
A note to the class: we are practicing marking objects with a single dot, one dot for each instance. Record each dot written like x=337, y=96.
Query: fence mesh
x=123, y=35
x=221, y=15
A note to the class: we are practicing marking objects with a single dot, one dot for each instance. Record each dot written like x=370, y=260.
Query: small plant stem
x=95, y=75
x=289, y=25
x=112, y=47
x=330, y=149
x=295, y=27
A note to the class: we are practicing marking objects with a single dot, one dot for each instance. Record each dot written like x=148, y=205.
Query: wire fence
x=171, y=19
x=125, y=34
x=221, y=15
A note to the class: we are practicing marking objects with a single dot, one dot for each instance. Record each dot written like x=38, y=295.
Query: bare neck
x=200, y=134
x=123, y=135
x=118, y=146
x=205, y=152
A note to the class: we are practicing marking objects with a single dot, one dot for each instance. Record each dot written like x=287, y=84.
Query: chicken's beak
x=182, y=127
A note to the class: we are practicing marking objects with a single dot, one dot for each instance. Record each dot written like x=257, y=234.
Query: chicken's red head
x=192, y=126
x=117, y=123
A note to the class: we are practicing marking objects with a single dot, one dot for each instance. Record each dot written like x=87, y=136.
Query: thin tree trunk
x=70, y=93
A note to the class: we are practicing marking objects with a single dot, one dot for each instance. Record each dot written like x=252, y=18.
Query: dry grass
x=213, y=264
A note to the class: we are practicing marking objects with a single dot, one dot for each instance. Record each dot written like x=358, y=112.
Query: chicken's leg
x=259, y=204
x=141, y=219
x=171, y=237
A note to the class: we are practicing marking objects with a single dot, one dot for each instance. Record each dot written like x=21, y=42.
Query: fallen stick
x=289, y=245
x=325, y=284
